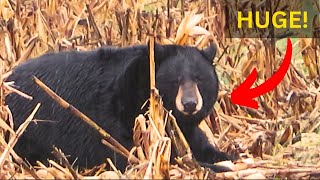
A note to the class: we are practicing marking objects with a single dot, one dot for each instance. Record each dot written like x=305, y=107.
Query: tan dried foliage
x=263, y=139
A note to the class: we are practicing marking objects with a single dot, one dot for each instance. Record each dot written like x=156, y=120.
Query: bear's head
x=187, y=81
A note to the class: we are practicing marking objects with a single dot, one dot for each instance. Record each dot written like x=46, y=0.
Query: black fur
x=109, y=85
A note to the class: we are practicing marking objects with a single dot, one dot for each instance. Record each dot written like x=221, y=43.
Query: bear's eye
x=176, y=81
x=173, y=81
x=198, y=78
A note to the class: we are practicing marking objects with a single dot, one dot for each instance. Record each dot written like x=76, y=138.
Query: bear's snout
x=188, y=99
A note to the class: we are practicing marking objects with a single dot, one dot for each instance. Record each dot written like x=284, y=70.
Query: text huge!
x=279, y=19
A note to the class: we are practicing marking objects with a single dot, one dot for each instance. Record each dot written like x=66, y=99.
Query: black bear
x=110, y=85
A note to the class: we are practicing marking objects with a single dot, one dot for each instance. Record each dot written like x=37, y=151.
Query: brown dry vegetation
x=262, y=138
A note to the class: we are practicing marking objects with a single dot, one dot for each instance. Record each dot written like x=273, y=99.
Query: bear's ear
x=210, y=52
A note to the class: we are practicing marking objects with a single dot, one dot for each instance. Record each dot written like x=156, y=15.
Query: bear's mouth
x=188, y=113
x=189, y=100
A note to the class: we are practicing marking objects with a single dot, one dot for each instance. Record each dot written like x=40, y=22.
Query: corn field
x=280, y=139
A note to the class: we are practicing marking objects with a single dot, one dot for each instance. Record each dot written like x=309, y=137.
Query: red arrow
x=243, y=95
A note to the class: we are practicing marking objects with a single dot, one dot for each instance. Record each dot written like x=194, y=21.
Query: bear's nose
x=189, y=106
